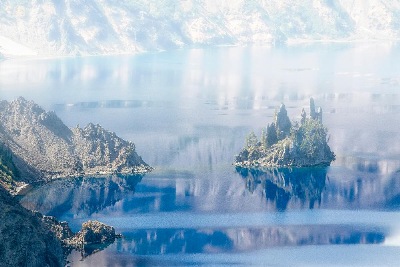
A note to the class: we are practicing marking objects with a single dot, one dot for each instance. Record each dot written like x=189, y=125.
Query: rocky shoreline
x=92, y=234
x=30, y=239
x=36, y=147
x=43, y=148
x=24, y=239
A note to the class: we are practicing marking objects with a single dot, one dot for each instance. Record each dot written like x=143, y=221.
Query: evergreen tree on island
x=287, y=144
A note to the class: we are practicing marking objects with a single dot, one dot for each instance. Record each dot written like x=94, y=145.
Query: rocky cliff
x=36, y=145
x=24, y=239
x=286, y=144
x=44, y=147
x=30, y=239
x=94, y=236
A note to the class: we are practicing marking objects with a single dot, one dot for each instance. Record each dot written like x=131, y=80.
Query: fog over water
x=188, y=112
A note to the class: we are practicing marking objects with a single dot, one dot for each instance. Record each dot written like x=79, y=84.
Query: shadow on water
x=282, y=184
x=80, y=196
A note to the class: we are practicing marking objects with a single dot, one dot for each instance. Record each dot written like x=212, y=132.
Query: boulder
x=95, y=232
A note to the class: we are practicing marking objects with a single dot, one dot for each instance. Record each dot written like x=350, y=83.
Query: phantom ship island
x=287, y=144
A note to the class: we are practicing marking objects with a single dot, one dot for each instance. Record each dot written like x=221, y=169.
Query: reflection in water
x=188, y=112
x=392, y=192
x=281, y=184
x=80, y=197
x=174, y=241
x=90, y=249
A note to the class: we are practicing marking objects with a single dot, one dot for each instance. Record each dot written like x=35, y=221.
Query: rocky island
x=288, y=144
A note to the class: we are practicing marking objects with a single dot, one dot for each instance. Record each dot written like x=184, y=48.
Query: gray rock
x=45, y=148
x=24, y=238
x=92, y=233
x=95, y=232
x=60, y=229
x=315, y=114
x=93, y=237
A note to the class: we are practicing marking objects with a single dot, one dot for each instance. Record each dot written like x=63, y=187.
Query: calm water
x=188, y=112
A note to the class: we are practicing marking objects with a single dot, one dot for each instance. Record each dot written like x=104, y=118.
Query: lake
x=188, y=112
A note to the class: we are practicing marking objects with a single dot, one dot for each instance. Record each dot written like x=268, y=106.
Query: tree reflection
x=280, y=185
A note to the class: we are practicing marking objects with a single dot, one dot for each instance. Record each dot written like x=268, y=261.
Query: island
x=288, y=144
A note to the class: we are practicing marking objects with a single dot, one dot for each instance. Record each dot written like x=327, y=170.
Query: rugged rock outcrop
x=24, y=238
x=8, y=171
x=94, y=236
x=34, y=145
x=45, y=148
x=94, y=232
x=61, y=230
x=91, y=233
x=30, y=239
x=286, y=144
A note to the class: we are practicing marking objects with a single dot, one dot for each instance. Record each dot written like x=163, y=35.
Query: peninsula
x=35, y=145
x=288, y=144
x=42, y=147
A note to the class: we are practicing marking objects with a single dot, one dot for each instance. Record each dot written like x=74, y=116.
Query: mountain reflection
x=80, y=196
x=282, y=184
x=175, y=241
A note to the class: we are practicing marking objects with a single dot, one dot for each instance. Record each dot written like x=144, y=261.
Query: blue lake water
x=188, y=112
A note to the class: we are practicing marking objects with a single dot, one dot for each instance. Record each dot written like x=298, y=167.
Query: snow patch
x=10, y=48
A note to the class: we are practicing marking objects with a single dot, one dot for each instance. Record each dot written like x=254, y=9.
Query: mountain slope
x=44, y=147
x=69, y=27
x=24, y=240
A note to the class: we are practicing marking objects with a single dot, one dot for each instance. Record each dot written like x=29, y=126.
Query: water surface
x=188, y=112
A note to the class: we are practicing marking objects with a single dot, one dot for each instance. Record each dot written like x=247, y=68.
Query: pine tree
x=271, y=137
x=251, y=140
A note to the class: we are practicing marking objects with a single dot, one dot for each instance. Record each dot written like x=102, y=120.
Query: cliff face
x=44, y=147
x=52, y=27
x=24, y=240
x=31, y=239
x=286, y=144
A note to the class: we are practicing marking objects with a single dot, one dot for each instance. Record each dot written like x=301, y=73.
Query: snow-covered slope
x=51, y=27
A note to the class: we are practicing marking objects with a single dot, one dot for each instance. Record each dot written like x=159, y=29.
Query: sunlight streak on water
x=307, y=217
